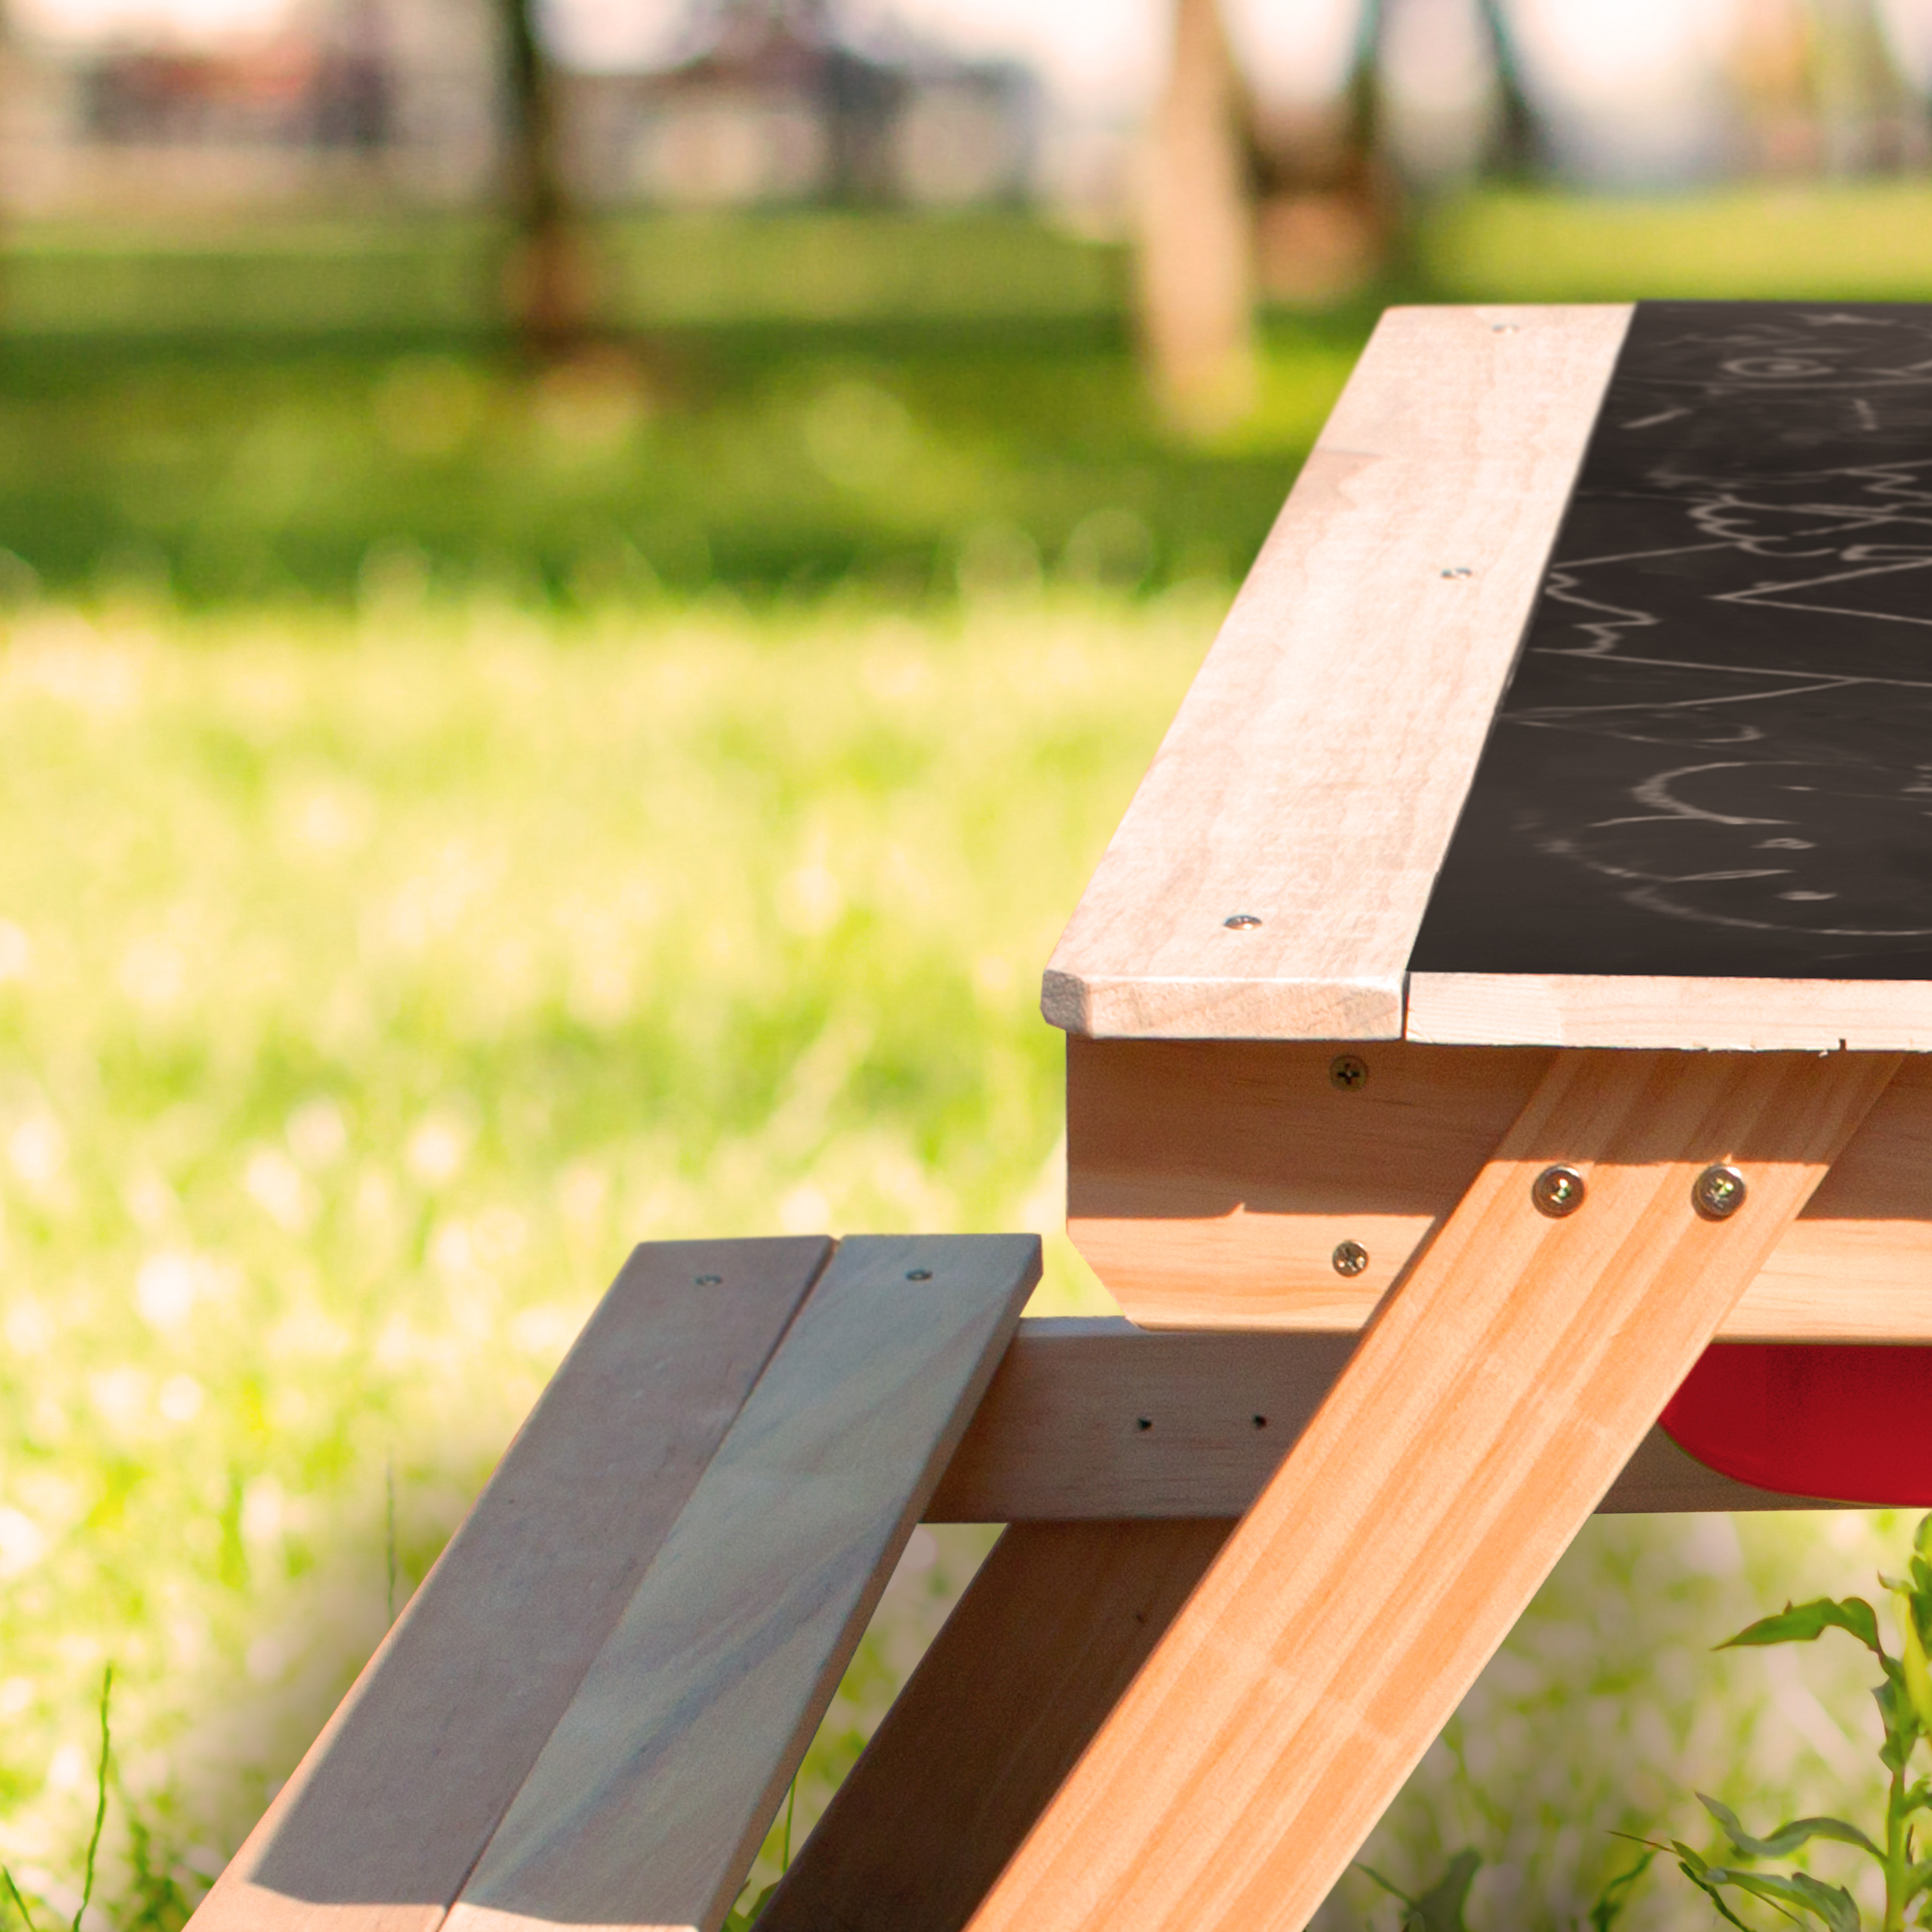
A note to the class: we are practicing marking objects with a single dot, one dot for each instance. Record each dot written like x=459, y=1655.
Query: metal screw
x=710, y=1280
x=1240, y=921
x=1348, y=1073
x=1457, y=570
x=1558, y=1191
x=1350, y=1258
x=1718, y=1192
x=918, y=1274
x=1503, y=328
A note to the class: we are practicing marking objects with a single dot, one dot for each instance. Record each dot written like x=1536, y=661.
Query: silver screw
x=1240, y=922
x=1718, y=1192
x=1503, y=328
x=918, y=1274
x=710, y=1280
x=1457, y=570
x=1350, y=1258
x=1348, y=1073
x=1558, y=1191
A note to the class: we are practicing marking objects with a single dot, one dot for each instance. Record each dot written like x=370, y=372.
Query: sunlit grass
x=368, y=987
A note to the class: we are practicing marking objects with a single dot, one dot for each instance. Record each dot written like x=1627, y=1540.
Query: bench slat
x=647, y=1805
x=398, y=1796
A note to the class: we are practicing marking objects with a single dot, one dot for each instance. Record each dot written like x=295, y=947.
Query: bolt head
x=1240, y=922
x=1350, y=1258
x=710, y=1280
x=918, y=1274
x=1718, y=1192
x=1558, y=1191
x=1348, y=1074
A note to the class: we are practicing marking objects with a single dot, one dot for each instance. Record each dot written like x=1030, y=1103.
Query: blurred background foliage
x=581, y=588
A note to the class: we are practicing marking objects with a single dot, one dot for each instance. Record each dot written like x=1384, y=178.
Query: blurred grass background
x=464, y=819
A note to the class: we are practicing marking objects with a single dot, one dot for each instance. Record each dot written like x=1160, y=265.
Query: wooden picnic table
x=1508, y=983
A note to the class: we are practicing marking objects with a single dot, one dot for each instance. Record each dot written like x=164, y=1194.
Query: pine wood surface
x=1209, y=1182
x=1487, y=1411
x=391, y=1806
x=1046, y=1638
x=1314, y=773
x=1093, y=1420
x=647, y=1804
x=1636, y=1010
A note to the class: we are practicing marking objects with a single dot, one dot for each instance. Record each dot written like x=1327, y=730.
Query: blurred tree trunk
x=1517, y=146
x=549, y=283
x=1196, y=256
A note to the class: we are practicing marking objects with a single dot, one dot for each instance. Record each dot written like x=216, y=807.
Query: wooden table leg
x=1025, y=1669
x=1495, y=1395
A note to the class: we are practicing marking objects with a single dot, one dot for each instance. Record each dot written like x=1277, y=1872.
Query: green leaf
x=1440, y=1908
x=1610, y=1902
x=1802, y=1623
x=1788, y=1838
x=1830, y=1905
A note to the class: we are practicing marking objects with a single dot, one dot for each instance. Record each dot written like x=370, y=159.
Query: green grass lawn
x=370, y=982
x=460, y=824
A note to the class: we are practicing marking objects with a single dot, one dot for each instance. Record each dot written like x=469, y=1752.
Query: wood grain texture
x=648, y=1803
x=1484, y=1415
x=1635, y=1009
x=1314, y=773
x=1038, y=1652
x=1208, y=1182
x=1095, y=1420
x=392, y=1806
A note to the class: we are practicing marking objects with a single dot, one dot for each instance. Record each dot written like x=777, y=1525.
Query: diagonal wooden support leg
x=1060, y=1617
x=1498, y=1393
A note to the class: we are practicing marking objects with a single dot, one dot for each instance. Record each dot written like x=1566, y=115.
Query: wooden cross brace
x=1140, y=1718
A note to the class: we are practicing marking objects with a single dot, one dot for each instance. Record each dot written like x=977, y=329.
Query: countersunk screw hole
x=1144, y=1423
x=918, y=1274
x=1240, y=922
x=1260, y=1422
x=1348, y=1074
x=1350, y=1258
x=710, y=1280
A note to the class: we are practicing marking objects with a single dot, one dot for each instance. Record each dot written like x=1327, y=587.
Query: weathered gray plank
x=396, y=1799
x=647, y=1805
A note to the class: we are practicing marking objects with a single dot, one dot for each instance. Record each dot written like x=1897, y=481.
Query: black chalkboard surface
x=1715, y=754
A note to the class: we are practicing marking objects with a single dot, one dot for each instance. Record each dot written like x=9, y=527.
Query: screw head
x=1348, y=1074
x=1558, y=1191
x=1350, y=1258
x=1240, y=922
x=710, y=1280
x=1458, y=570
x=918, y=1274
x=1718, y=1192
x=1503, y=329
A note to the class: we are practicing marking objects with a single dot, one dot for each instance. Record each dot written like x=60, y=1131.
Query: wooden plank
x=1209, y=1182
x=648, y=1804
x=1637, y=1009
x=392, y=1806
x=1094, y=1420
x=1482, y=1418
x=1313, y=775
x=1038, y=1652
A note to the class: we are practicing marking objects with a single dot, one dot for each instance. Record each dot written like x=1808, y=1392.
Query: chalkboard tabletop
x=1582, y=695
